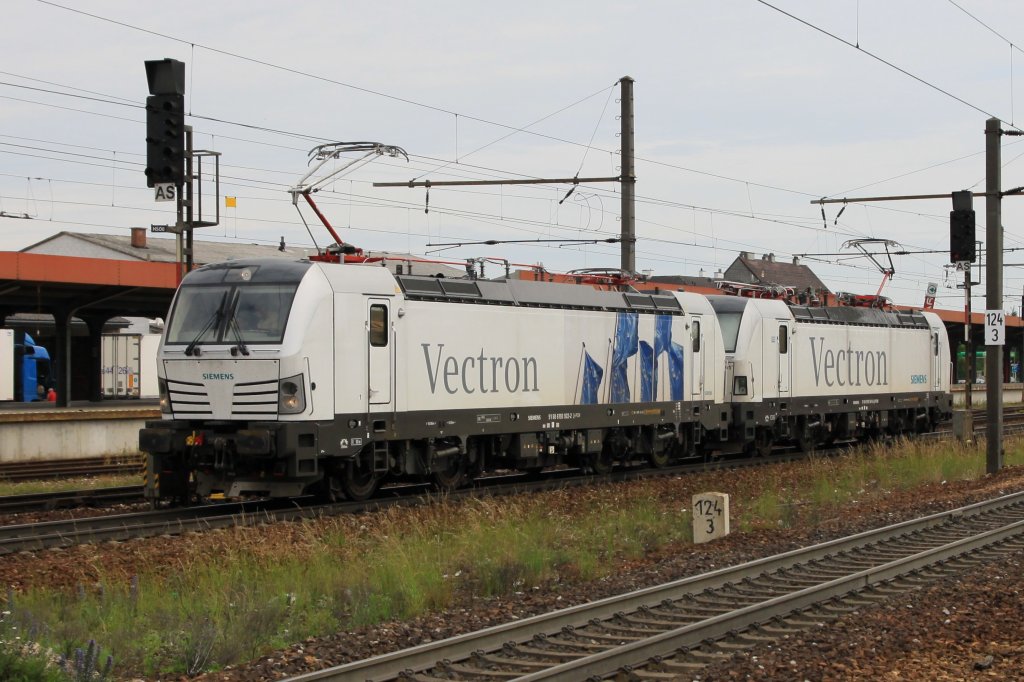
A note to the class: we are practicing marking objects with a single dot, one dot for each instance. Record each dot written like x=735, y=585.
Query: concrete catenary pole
x=993, y=293
x=628, y=177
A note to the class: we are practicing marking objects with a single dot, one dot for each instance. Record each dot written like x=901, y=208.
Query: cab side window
x=783, y=339
x=695, y=336
x=378, y=325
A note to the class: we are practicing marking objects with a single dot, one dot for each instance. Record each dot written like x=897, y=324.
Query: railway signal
x=961, y=228
x=165, y=122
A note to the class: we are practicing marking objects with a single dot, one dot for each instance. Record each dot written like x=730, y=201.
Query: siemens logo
x=219, y=376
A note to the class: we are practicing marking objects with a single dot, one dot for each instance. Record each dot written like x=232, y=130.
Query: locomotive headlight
x=739, y=385
x=291, y=395
x=165, y=398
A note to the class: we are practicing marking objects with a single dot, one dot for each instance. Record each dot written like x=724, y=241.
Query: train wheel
x=601, y=463
x=659, y=458
x=452, y=476
x=806, y=441
x=763, y=443
x=358, y=483
x=687, y=446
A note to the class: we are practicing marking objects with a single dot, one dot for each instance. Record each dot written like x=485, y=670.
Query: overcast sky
x=743, y=116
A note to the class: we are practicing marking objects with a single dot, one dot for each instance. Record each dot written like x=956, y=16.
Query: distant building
x=139, y=247
x=766, y=271
x=756, y=272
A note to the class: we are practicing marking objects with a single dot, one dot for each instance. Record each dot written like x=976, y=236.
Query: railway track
x=69, y=468
x=70, y=499
x=673, y=631
x=65, y=533
x=174, y=521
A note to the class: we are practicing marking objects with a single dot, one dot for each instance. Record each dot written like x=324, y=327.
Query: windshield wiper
x=193, y=348
x=232, y=312
x=241, y=347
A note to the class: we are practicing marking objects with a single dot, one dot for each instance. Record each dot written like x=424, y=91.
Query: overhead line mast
x=993, y=279
x=627, y=180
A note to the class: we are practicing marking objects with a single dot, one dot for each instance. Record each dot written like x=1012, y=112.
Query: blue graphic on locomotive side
x=625, y=344
x=592, y=375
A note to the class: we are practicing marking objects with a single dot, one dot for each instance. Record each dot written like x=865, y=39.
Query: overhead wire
x=444, y=163
x=878, y=58
x=513, y=128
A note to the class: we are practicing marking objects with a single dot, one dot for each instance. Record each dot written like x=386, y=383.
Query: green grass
x=22, y=660
x=246, y=598
x=16, y=666
x=835, y=482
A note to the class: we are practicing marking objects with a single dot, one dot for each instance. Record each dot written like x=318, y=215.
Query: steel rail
x=83, y=466
x=67, y=499
x=607, y=662
x=68, y=532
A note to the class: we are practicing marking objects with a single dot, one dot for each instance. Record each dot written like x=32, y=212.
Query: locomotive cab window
x=695, y=335
x=378, y=325
x=247, y=312
x=783, y=340
x=730, y=324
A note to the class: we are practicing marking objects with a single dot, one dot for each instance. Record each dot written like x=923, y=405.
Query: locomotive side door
x=936, y=361
x=380, y=348
x=785, y=357
x=697, y=354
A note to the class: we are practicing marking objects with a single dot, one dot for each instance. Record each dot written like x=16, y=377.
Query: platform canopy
x=91, y=289
x=32, y=283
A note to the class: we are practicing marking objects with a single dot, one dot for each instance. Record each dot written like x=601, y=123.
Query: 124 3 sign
x=995, y=328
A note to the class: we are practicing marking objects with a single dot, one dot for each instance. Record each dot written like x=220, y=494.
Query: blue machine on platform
x=31, y=365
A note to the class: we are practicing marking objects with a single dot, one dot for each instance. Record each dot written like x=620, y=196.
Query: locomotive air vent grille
x=255, y=398
x=665, y=302
x=421, y=286
x=639, y=300
x=188, y=399
x=460, y=289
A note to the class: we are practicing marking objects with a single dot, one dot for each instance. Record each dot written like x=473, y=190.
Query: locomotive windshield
x=218, y=314
x=233, y=304
x=729, y=310
x=730, y=324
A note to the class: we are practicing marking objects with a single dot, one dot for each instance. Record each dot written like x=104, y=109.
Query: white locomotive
x=357, y=375
x=287, y=377
x=814, y=375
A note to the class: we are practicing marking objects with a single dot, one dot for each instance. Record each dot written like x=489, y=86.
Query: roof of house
x=767, y=270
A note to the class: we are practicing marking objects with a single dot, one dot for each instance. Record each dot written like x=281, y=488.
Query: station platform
x=44, y=431
x=1012, y=394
